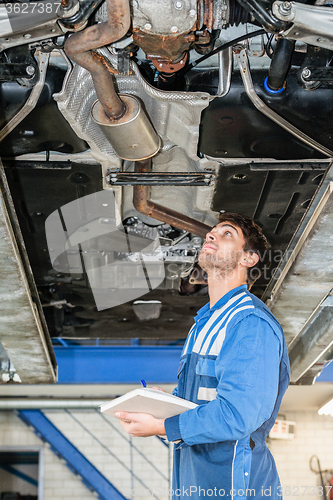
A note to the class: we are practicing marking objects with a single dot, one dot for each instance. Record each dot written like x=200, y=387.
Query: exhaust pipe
x=143, y=205
x=79, y=47
x=121, y=119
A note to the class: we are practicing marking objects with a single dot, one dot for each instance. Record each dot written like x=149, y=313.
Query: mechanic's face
x=223, y=249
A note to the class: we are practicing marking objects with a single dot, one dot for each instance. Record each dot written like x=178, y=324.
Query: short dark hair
x=255, y=242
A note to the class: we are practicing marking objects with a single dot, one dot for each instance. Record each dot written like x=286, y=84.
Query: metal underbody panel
x=302, y=282
x=313, y=342
x=175, y=115
x=228, y=142
x=307, y=276
x=22, y=326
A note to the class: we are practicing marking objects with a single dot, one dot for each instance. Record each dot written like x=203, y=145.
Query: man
x=235, y=367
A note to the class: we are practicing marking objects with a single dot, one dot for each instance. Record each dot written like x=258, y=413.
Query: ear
x=249, y=259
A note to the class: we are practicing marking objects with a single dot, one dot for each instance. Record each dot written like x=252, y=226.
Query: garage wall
x=108, y=447
x=314, y=436
x=61, y=484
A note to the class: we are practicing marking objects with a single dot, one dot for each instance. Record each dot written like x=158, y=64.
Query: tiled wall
x=94, y=441
x=314, y=436
x=93, y=436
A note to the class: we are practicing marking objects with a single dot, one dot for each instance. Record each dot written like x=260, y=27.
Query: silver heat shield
x=175, y=117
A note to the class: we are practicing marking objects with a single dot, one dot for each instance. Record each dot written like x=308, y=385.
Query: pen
x=143, y=383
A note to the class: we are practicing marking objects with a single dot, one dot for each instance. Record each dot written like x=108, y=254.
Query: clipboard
x=144, y=400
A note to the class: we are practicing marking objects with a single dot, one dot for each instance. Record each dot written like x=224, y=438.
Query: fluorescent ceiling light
x=327, y=409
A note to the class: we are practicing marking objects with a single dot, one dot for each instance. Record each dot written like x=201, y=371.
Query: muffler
x=132, y=136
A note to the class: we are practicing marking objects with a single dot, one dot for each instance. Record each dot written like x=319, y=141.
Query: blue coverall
x=235, y=366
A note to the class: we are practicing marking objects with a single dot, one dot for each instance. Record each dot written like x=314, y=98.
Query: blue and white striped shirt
x=208, y=338
x=235, y=366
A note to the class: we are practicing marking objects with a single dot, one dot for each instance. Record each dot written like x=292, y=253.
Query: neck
x=218, y=287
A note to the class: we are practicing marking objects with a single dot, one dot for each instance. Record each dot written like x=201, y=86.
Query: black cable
x=223, y=47
x=319, y=471
x=269, y=47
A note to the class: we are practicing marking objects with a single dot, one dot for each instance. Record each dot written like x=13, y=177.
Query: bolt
x=30, y=70
x=192, y=13
x=179, y=5
x=147, y=26
x=174, y=29
x=27, y=35
x=306, y=73
x=285, y=8
x=322, y=40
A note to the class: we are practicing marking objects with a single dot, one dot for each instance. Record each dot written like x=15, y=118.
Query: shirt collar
x=207, y=310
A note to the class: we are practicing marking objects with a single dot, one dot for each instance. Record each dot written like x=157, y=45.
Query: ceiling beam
x=23, y=330
x=307, y=275
x=315, y=339
x=299, y=292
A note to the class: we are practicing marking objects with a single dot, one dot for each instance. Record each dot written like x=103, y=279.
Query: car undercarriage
x=126, y=127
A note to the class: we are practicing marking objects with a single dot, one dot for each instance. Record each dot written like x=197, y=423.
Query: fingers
x=158, y=389
x=124, y=415
x=140, y=424
x=126, y=425
x=132, y=428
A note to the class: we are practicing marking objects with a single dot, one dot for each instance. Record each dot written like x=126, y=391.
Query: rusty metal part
x=199, y=16
x=186, y=288
x=209, y=14
x=204, y=42
x=105, y=62
x=198, y=276
x=170, y=66
x=202, y=37
x=143, y=205
x=166, y=47
x=79, y=47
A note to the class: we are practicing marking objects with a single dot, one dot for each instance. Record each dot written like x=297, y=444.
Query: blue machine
x=117, y=364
